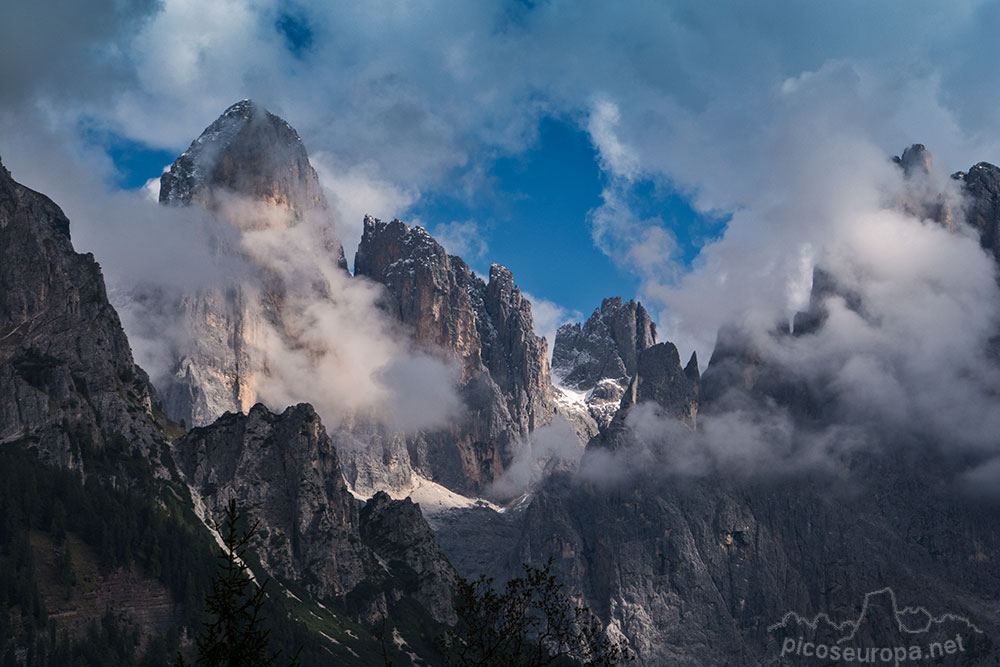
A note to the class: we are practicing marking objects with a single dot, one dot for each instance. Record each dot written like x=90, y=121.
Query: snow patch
x=571, y=397
x=432, y=497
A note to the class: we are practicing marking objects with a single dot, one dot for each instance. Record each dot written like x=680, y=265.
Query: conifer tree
x=235, y=635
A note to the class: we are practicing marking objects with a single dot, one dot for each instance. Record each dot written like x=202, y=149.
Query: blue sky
x=532, y=214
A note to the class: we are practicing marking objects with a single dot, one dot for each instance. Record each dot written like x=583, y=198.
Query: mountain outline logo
x=882, y=632
x=898, y=614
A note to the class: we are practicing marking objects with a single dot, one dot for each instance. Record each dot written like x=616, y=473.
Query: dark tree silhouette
x=532, y=623
x=235, y=636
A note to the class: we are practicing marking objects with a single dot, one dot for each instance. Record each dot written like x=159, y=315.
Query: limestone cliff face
x=434, y=293
x=250, y=170
x=284, y=472
x=660, y=379
x=606, y=346
x=68, y=384
x=600, y=357
x=694, y=570
x=979, y=188
x=248, y=152
x=396, y=531
x=486, y=327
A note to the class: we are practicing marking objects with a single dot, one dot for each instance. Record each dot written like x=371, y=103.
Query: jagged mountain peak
x=660, y=378
x=916, y=159
x=607, y=345
x=601, y=355
x=981, y=185
x=247, y=151
x=486, y=327
x=398, y=239
x=501, y=273
x=691, y=369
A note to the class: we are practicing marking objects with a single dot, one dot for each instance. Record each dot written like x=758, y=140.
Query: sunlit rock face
x=280, y=306
x=435, y=294
x=486, y=327
x=247, y=151
x=250, y=171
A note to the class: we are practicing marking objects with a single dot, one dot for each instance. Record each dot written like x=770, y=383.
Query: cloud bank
x=781, y=116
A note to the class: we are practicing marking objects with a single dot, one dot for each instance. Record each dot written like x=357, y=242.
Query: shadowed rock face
x=284, y=471
x=398, y=533
x=660, y=379
x=486, y=327
x=916, y=160
x=68, y=384
x=981, y=185
x=695, y=570
x=600, y=357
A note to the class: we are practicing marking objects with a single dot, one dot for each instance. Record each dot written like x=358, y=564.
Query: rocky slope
x=69, y=390
x=599, y=358
x=695, y=570
x=68, y=384
x=284, y=470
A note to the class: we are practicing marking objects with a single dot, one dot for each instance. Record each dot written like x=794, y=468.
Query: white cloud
x=548, y=316
x=357, y=190
x=464, y=239
x=616, y=158
x=782, y=115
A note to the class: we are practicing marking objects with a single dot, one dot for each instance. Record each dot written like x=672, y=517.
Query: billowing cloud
x=554, y=446
x=781, y=116
x=462, y=238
